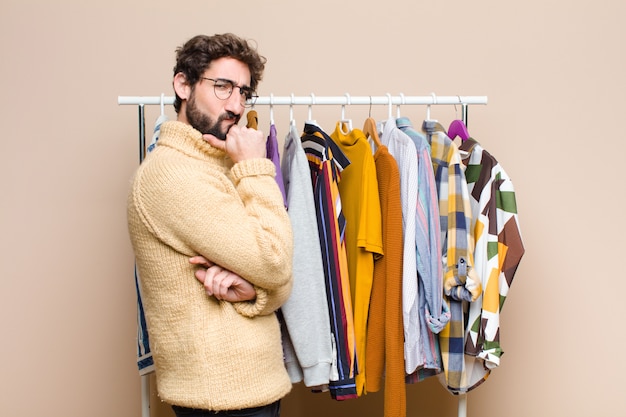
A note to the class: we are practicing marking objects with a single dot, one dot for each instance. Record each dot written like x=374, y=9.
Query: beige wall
x=554, y=75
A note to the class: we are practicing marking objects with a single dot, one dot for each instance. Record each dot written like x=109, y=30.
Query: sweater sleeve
x=236, y=218
x=266, y=302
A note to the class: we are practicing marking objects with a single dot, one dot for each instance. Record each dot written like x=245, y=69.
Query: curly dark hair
x=195, y=56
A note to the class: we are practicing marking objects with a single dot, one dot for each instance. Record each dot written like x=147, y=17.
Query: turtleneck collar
x=184, y=137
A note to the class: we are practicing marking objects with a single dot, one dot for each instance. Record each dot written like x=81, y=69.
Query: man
x=213, y=242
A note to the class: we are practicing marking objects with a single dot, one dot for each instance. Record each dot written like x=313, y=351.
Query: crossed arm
x=222, y=283
x=241, y=143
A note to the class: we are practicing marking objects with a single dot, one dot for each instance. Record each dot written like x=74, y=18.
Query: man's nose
x=234, y=102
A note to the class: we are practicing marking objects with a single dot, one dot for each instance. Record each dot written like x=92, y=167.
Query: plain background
x=554, y=75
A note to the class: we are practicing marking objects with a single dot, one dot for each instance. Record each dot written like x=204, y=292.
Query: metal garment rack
x=293, y=100
x=311, y=100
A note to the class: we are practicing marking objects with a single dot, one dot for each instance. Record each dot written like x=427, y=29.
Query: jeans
x=271, y=410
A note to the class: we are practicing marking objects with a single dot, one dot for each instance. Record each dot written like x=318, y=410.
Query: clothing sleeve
x=239, y=223
x=266, y=302
x=460, y=280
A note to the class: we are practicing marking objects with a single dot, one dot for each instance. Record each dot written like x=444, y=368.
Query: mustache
x=229, y=115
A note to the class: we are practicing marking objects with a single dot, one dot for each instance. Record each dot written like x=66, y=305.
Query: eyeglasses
x=224, y=89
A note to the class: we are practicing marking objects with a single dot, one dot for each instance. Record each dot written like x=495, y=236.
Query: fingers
x=200, y=275
x=200, y=260
x=220, y=286
x=215, y=142
x=221, y=283
x=216, y=281
x=241, y=143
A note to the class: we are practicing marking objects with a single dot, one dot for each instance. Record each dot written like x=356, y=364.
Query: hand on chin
x=215, y=141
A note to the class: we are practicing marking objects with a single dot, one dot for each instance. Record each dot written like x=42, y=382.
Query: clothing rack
x=346, y=99
x=311, y=100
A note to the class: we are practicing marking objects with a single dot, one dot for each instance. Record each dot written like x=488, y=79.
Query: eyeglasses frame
x=248, y=95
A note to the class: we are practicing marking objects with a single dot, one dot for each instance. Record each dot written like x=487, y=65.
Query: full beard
x=204, y=124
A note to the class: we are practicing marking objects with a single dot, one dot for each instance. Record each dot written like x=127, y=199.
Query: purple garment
x=273, y=154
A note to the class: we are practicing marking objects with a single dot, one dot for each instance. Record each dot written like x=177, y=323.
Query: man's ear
x=181, y=86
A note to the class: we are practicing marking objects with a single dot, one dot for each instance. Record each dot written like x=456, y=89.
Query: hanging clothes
x=326, y=162
x=271, y=148
x=403, y=150
x=273, y=154
x=361, y=207
x=156, y=131
x=498, y=252
x=306, y=334
x=434, y=313
x=385, y=332
x=461, y=283
x=145, y=361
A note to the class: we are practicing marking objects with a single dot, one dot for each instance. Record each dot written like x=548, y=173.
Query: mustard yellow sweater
x=188, y=198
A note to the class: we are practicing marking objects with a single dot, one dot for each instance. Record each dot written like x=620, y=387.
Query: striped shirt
x=433, y=311
x=145, y=361
x=326, y=162
x=403, y=150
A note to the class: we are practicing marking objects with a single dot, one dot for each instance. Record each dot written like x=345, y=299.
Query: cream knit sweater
x=188, y=198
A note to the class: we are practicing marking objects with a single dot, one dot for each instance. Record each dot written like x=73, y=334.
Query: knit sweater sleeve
x=234, y=217
x=269, y=298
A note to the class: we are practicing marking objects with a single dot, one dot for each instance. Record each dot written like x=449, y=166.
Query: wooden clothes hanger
x=370, y=130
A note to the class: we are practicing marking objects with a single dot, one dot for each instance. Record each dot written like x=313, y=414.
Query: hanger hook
x=272, y=108
x=343, y=106
x=398, y=106
x=370, y=112
x=343, y=120
x=428, y=106
x=162, y=103
x=389, y=105
x=311, y=106
x=456, y=113
x=291, y=108
x=463, y=111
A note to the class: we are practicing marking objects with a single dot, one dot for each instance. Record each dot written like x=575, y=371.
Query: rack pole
x=142, y=132
x=145, y=379
x=327, y=100
x=145, y=396
x=462, y=410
